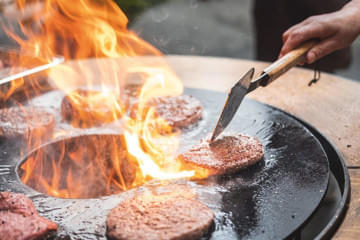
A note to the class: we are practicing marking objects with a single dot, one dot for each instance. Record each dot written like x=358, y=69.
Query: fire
x=97, y=30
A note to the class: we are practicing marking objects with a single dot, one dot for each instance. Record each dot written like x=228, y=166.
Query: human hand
x=334, y=31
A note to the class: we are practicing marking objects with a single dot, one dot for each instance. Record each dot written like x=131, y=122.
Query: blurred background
x=248, y=29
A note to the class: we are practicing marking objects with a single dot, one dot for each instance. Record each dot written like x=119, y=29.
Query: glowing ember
x=98, y=29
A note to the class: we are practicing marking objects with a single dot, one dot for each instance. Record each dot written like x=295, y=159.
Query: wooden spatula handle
x=288, y=61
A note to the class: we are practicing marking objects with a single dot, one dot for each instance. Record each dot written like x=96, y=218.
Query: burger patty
x=20, y=220
x=179, y=111
x=25, y=122
x=225, y=155
x=163, y=216
x=89, y=108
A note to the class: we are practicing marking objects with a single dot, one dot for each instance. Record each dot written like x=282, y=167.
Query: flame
x=97, y=30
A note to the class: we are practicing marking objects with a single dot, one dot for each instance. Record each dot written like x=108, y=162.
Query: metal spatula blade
x=236, y=95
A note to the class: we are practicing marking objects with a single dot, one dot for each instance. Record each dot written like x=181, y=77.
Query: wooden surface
x=332, y=105
x=350, y=228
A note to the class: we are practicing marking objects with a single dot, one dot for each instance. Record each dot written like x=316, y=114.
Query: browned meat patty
x=179, y=112
x=163, y=216
x=225, y=155
x=19, y=219
x=26, y=122
x=89, y=108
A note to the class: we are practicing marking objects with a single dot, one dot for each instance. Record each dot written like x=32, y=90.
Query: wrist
x=352, y=12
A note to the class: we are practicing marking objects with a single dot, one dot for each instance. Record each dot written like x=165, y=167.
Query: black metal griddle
x=277, y=198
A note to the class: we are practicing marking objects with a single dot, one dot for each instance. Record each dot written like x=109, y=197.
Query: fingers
x=302, y=33
x=288, y=32
x=322, y=49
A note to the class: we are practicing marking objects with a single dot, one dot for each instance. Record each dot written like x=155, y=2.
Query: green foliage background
x=134, y=7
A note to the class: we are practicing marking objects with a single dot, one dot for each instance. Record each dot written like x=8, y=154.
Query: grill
x=299, y=191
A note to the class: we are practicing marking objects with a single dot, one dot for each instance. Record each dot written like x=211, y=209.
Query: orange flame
x=98, y=29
